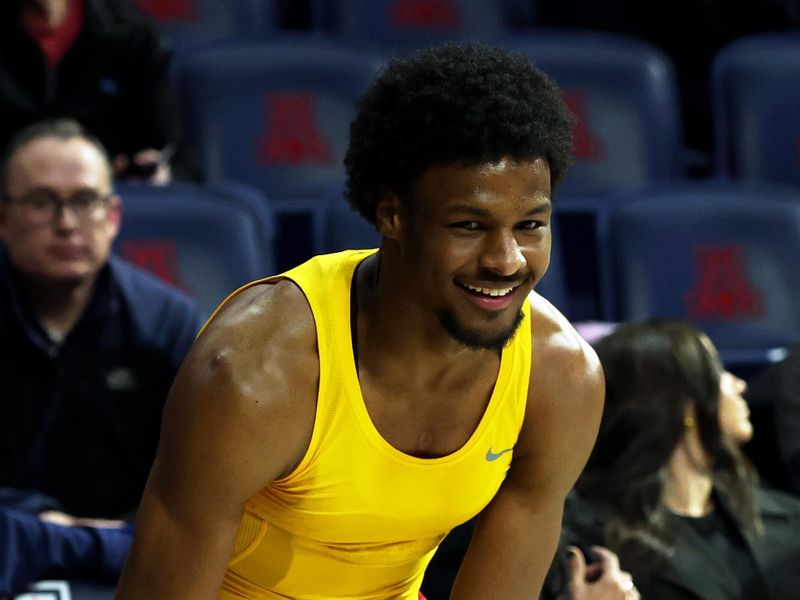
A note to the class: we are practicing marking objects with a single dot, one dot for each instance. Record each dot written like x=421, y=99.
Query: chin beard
x=472, y=339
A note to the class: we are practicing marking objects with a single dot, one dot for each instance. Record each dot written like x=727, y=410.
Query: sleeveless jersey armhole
x=231, y=296
x=320, y=408
x=526, y=357
x=314, y=442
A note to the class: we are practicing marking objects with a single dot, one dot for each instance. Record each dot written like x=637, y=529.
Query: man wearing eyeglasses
x=89, y=344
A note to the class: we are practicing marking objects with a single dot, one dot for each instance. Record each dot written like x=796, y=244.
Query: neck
x=55, y=11
x=420, y=350
x=689, y=482
x=58, y=306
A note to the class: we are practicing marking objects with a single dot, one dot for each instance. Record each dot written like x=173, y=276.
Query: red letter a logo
x=722, y=290
x=291, y=135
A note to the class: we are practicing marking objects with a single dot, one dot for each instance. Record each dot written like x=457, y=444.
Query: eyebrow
x=53, y=192
x=477, y=211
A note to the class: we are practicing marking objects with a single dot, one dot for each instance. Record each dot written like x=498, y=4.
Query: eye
x=84, y=200
x=466, y=226
x=531, y=225
x=39, y=201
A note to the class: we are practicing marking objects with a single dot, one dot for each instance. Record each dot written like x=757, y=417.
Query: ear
x=690, y=416
x=114, y=218
x=389, y=216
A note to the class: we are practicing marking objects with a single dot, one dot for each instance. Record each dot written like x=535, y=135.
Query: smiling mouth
x=489, y=292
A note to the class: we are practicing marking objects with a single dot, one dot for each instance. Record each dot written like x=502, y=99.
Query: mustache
x=492, y=277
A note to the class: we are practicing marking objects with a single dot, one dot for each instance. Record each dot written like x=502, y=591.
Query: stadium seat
x=623, y=95
x=722, y=254
x=272, y=114
x=755, y=84
x=187, y=21
x=275, y=115
x=207, y=241
x=403, y=25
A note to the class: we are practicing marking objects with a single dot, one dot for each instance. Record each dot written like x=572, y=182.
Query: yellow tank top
x=357, y=518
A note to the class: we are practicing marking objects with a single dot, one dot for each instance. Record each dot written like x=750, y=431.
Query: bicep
x=227, y=431
x=190, y=509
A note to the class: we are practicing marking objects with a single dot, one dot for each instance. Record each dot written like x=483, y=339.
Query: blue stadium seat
x=342, y=228
x=721, y=254
x=755, y=85
x=188, y=21
x=623, y=95
x=275, y=115
x=403, y=25
x=582, y=229
x=207, y=241
x=272, y=114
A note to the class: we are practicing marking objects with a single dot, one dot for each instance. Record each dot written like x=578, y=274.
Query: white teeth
x=489, y=292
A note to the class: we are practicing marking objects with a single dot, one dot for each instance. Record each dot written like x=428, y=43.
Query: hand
x=150, y=164
x=603, y=580
x=59, y=518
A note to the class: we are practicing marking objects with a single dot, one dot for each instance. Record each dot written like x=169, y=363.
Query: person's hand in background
x=600, y=580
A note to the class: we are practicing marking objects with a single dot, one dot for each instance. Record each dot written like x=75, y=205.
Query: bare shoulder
x=265, y=326
x=561, y=357
x=249, y=384
x=565, y=403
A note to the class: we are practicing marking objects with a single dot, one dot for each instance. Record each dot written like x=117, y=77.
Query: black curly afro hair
x=457, y=103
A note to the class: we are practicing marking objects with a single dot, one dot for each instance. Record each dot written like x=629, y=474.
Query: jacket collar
x=104, y=300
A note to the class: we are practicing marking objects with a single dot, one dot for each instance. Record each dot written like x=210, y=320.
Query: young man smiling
x=332, y=424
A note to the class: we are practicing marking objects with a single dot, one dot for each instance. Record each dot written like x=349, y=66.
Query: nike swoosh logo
x=492, y=456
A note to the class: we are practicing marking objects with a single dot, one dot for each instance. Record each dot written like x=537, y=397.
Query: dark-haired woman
x=667, y=487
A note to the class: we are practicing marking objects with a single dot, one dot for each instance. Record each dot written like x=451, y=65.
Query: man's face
x=75, y=242
x=476, y=240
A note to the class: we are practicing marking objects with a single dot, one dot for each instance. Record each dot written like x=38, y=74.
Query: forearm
x=175, y=558
x=509, y=558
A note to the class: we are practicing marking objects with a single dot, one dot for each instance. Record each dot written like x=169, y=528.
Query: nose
x=502, y=254
x=66, y=217
x=741, y=384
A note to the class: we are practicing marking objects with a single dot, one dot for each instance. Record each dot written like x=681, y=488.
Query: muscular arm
x=517, y=534
x=240, y=415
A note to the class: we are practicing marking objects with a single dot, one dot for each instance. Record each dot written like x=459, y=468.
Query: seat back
x=403, y=25
x=186, y=21
x=623, y=95
x=205, y=241
x=272, y=114
x=755, y=85
x=723, y=255
x=343, y=228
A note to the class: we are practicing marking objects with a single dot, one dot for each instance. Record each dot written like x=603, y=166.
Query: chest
x=358, y=468
x=428, y=421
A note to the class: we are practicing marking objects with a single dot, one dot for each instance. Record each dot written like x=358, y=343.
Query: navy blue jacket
x=31, y=549
x=80, y=420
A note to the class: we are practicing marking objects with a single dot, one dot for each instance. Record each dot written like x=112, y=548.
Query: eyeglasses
x=42, y=206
